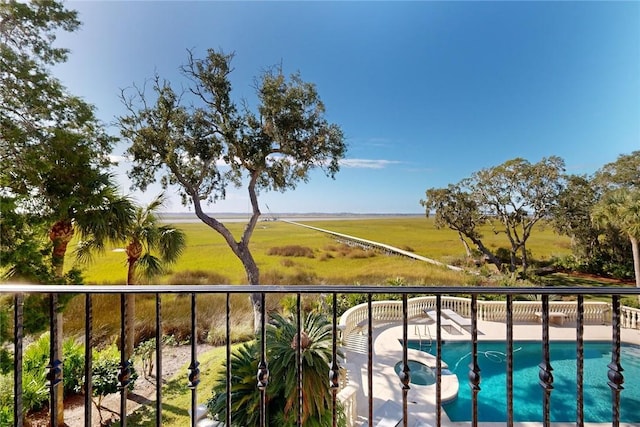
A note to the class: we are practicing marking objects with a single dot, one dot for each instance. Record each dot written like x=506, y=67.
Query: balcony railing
x=359, y=320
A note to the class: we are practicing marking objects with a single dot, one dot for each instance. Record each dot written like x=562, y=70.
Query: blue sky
x=426, y=92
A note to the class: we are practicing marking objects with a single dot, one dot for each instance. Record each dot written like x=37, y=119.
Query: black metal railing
x=615, y=369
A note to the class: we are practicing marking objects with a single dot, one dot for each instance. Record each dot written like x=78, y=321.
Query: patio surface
x=387, y=351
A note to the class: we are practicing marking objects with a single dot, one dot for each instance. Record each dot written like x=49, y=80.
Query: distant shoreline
x=189, y=217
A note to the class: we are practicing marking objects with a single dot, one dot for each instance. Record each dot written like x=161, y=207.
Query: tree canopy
x=203, y=141
x=513, y=197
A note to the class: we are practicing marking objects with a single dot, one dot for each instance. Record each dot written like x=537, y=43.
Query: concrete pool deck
x=387, y=351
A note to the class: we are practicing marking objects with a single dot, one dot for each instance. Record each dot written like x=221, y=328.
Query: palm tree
x=97, y=214
x=282, y=391
x=145, y=236
x=621, y=209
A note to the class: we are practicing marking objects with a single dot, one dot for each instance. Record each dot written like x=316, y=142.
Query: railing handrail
x=438, y=297
x=13, y=288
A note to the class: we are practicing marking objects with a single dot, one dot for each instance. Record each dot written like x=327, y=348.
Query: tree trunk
x=60, y=235
x=466, y=245
x=253, y=276
x=131, y=319
x=490, y=256
x=636, y=261
x=512, y=255
x=134, y=252
x=525, y=260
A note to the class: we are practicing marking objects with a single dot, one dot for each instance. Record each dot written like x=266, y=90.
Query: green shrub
x=36, y=359
x=36, y=354
x=106, y=364
x=6, y=361
x=6, y=416
x=73, y=366
x=35, y=393
x=6, y=400
x=145, y=351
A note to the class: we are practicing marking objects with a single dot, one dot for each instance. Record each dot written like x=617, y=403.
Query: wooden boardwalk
x=376, y=245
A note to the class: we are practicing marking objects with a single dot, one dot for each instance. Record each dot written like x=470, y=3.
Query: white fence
x=523, y=311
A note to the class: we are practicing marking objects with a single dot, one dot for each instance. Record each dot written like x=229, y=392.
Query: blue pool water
x=527, y=393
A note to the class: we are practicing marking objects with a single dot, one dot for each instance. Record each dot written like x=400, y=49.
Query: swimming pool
x=527, y=393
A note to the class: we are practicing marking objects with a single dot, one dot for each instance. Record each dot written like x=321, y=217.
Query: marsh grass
x=287, y=255
x=332, y=261
x=176, y=323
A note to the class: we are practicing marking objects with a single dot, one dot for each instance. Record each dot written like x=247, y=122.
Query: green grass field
x=207, y=251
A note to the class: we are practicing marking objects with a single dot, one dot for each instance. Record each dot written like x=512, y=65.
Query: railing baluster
x=228, y=356
x=405, y=378
x=55, y=366
x=616, y=379
x=299, y=356
x=509, y=308
x=158, y=360
x=334, y=372
x=194, y=371
x=18, y=336
x=370, y=357
x=582, y=312
x=263, y=369
x=546, y=371
x=124, y=373
x=438, y=361
x=88, y=359
x=474, y=369
x=580, y=362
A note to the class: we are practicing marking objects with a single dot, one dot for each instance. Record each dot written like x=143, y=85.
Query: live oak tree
x=203, y=141
x=457, y=210
x=516, y=195
x=513, y=197
x=624, y=172
x=572, y=216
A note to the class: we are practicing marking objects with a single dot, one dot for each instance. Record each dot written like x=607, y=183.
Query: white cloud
x=367, y=163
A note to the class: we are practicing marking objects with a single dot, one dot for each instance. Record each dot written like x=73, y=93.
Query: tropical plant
x=145, y=237
x=73, y=365
x=315, y=346
x=620, y=209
